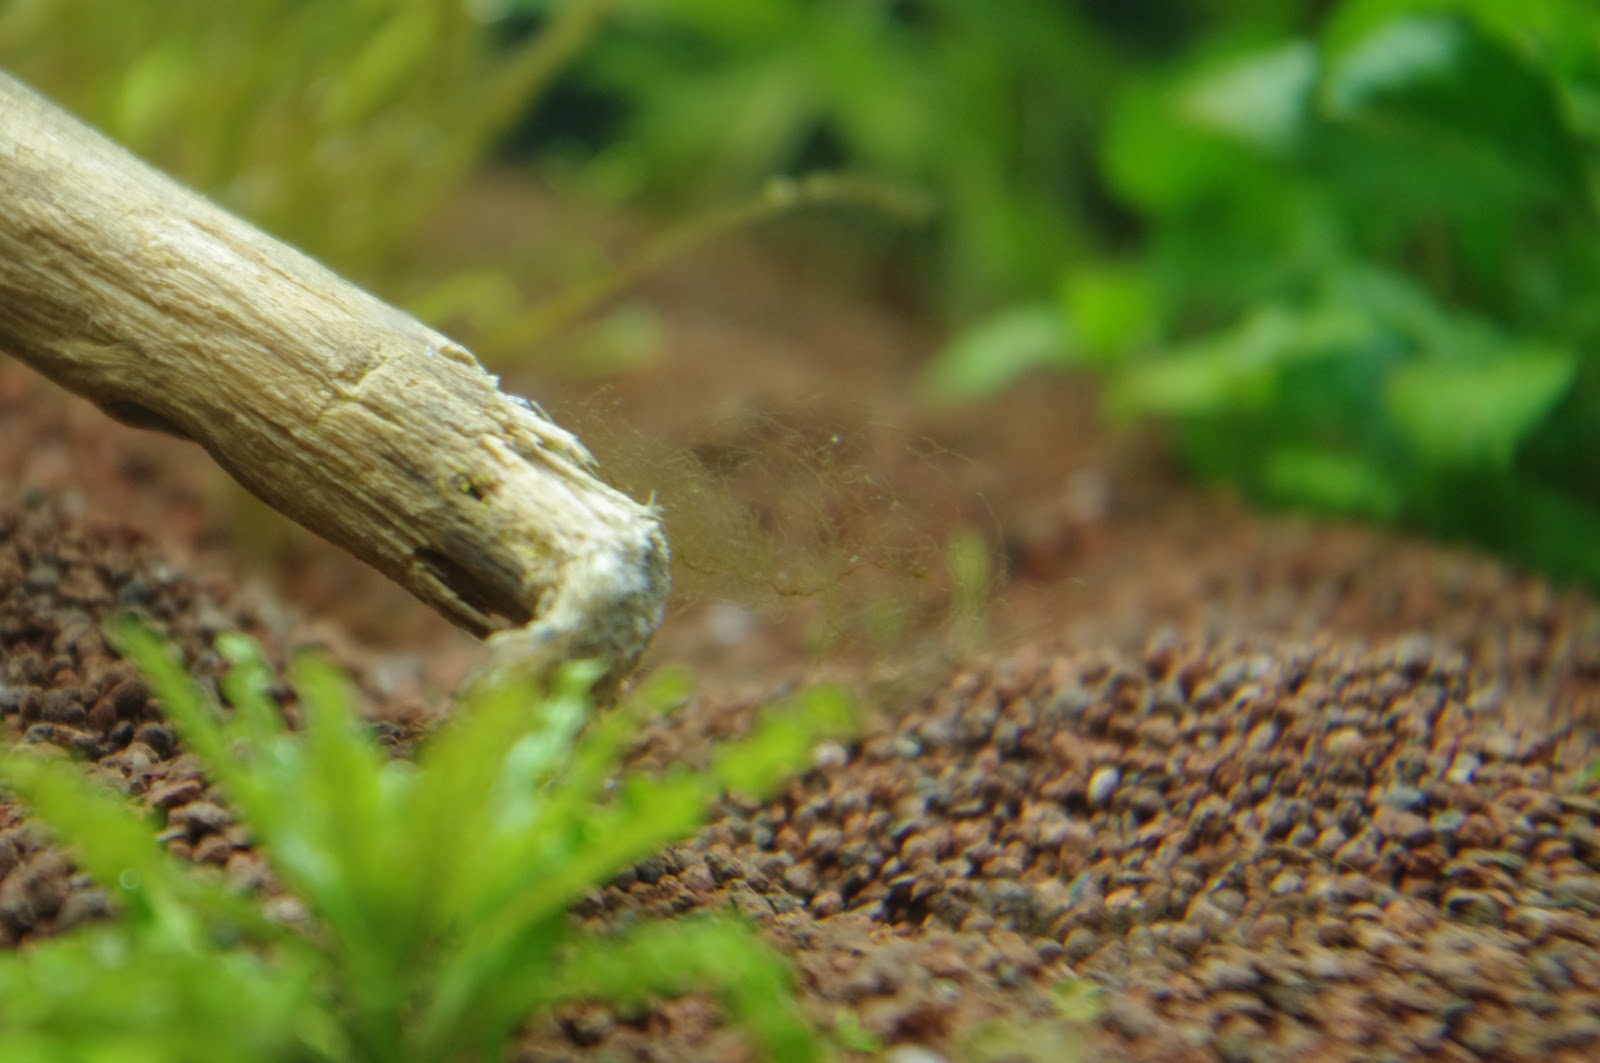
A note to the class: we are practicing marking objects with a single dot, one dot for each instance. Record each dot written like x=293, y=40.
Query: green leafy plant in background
x=337, y=127
x=1367, y=284
x=962, y=99
x=432, y=895
x=343, y=128
x=991, y=108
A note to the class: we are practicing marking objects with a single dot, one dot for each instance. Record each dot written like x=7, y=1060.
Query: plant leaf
x=1262, y=98
x=991, y=355
x=666, y=959
x=1422, y=85
x=1110, y=309
x=1238, y=369
x=1331, y=482
x=1475, y=412
x=1159, y=158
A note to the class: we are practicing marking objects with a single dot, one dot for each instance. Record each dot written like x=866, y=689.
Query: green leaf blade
x=1475, y=412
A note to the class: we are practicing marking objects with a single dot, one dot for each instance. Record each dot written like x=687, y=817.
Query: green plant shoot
x=435, y=892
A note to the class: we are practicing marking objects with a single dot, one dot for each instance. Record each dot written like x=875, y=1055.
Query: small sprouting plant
x=849, y=1031
x=430, y=898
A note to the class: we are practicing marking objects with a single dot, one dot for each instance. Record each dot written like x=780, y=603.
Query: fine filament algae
x=789, y=515
x=435, y=893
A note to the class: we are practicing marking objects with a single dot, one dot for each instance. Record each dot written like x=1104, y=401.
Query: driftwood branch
x=349, y=416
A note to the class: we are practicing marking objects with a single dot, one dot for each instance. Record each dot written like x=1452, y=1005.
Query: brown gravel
x=61, y=685
x=1255, y=849
x=1234, y=789
x=1259, y=850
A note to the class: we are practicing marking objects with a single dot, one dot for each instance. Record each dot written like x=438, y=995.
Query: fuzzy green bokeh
x=1367, y=280
x=336, y=127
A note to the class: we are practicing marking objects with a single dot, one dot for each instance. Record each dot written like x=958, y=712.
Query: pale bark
x=349, y=416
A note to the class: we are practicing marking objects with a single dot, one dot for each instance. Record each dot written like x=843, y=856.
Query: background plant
x=337, y=127
x=344, y=128
x=1367, y=280
x=340, y=127
x=435, y=893
x=993, y=109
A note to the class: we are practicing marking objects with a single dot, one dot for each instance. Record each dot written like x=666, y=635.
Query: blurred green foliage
x=429, y=906
x=967, y=100
x=335, y=126
x=1368, y=273
x=992, y=108
x=342, y=127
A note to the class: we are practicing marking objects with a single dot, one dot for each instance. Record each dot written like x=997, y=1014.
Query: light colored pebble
x=1102, y=784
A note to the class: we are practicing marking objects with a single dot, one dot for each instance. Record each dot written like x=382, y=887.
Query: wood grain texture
x=349, y=416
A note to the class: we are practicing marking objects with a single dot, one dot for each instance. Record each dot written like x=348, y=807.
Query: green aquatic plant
x=429, y=905
x=342, y=129
x=988, y=107
x=336, y=127
x=1366, y=280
